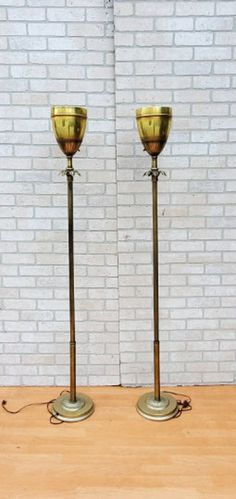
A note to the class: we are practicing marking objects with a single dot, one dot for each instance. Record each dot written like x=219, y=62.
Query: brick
x=45, y=3
x=28, y=71
x=211, y=81
x=27, y=43
x=147, y=39
x=123, y=9
x=192, y=96
x=194, y=39
x=133, y=24
x=47, y=58
x=225, y=8
x=154, y=67
x=17, y=3
x=225, y=67
x=84, y=3
x=209, y=110
x=8, y=29
x=193, y=8
x=225, y=38
x=64, y=44
x=130, y=54
x=66, y=72
x=26, y=14
x=100, y=73
x=212, y=53
x=135, y=82
x=86, y=29
x=121, y=40
x=192, y=68
x=99, y=15
x=219, y=95
x=173, y=24
x=154, y=8
x=214, y=24
x=65, y=15
x=215, y=377
x=174, y=53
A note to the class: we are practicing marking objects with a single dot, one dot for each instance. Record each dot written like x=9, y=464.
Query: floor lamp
x=69, y=125
x=154, y=126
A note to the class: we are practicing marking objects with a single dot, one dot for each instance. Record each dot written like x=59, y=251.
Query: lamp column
x=154, y=125
x=156, y=343
x=70, y=177
x=69, y=125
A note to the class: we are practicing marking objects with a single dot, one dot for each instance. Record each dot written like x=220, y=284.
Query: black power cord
x=53, y=420
x=184, y=405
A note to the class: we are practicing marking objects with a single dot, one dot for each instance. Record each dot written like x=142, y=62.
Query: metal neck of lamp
x=154, y=125
x=69, y=125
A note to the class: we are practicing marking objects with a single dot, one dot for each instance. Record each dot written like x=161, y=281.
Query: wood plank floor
x=116, y=454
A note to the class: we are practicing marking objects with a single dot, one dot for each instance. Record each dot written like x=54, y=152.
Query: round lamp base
x=65, y=410
x=157, y=410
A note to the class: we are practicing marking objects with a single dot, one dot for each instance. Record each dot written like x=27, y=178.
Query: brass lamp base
x=68, y=411
x=166, y=408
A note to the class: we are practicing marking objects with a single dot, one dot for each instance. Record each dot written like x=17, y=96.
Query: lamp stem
x=69, y=174
x=156, y=343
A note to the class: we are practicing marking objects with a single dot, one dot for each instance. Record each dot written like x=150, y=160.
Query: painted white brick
x=212, y=53
x=174, y=53
x=133, y=24
x=195, y=9
x=224, y=67
x=214, y=23
x=173, y=24
x=63, y=53
x=192, y=68
x=196, y=199
x=211, y=81
x=194, y=39
x=25, y=14
x=123, y=8
x=154, y=8
x=225, y=8
x=154, y=67
x=86, y=29
x=153, y=39
x=65, y=15
x=225, y=38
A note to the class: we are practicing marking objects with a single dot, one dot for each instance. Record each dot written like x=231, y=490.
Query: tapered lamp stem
x=154, y=125
x=156, y=344
x=69, y=123
x=69, y=174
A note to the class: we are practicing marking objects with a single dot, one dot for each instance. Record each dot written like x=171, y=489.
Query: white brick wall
x=175, y=53
x=179, y=54
x=56, y=52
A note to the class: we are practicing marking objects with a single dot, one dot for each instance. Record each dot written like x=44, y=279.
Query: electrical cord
x=53, y=420
x=184, y=405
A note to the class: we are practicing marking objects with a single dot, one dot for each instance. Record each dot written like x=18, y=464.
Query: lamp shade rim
x=68, y=111
x=153, y=111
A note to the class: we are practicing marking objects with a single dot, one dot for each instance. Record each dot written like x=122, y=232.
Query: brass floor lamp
x=69, y=125
x=154, y=126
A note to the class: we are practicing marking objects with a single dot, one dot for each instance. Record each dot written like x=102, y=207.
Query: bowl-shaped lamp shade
x=154, y=126
x=69, y=125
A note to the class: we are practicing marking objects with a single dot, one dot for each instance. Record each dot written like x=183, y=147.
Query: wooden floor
x=116, y=454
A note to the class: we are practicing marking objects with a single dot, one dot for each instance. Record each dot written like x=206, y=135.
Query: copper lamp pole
x=69, y=125
x=154, y=126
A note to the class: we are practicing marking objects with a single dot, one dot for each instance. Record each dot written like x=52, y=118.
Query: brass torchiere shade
x=154, y=126
x=69, y=125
